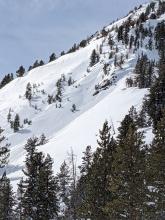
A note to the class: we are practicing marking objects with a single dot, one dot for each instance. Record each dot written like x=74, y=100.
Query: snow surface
x=63, y=128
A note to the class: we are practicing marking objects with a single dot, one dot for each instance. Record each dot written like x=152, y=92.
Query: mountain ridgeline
x=57, y=160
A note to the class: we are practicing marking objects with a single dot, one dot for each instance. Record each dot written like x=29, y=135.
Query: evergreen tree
x=82, y=184
x=86, y=161
x=43, y=139
x=29, y=200
x=4, y=151
x=20, y=193
x=128, y=183
x=73, y=176
x=156, y=174
x=9, y=115
x=159, y=38
x=52, y=57
x=144, y=71
x=64, y=181
x=6, y=199
x=36, y=64
x=21, y=71
x=73, y=109
x=94, y=58
x=156, y=97
x=16, y=123
x=7, y=78
x=97, y=191
x=39, y=189
x=41, y=63
x=47, y=191
x=28, y=93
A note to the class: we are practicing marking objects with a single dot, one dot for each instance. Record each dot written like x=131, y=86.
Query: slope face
x=98, y=95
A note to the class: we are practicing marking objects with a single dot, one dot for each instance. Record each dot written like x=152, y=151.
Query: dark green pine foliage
x=128, y=185
x=29, y=185
x=160, y=39
x=156, y=98
x=41, y=63
x=36, y=64
x=144, y=71
x=156, y=171
x=86, y=161
x=161, y=8
x=98, y=194
x=59, y=86
x=6, y=194
x=7, y=78
x=16, y=123
x=21, y=71
x=28, y=93
x=38, y=191
x=82, y=184
x=7, y=200
x=20, y=193
x=64, y=181
x=47, y=191
x=94, y=58
x=9, y=116
x=4, y=151
x=52, y=57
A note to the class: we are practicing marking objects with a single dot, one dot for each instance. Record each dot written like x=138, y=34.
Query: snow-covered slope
x=63, y=128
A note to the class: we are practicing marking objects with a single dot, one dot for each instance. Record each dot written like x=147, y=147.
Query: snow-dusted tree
x=94, y=58
x=16, y=123
x=21, y=71
x=73, y=109
x=28, y=93
x=86, y=161
x=7, y=200
x=9, y=115
x=39, y=200
x=43, y=139
x=4, y=151
x=64, y=181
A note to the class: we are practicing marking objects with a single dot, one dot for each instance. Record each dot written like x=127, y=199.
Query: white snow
x=63, y=128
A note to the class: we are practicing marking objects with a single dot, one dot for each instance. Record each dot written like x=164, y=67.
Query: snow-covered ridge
x=63, y=128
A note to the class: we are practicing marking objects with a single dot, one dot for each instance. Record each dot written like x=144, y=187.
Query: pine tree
x=30, y=195
x=128, y=183
x=6, y=194
x=16, y=123
x=39, y=200
x=4, y=151
x=41, y=63
x=156, y=97
x=28, y=93
x=73, y=109
x=97, y=191
x=20, y=193
x=82, y=184
x=9, y=115
x=36, y=64
x=94, y=58
x=6, y=199
x=156, y=174
x=64, y=181
x=21, y=71
x=47, y=191
x=73, y=175
x=43, y=139
x=52, y=57
x=7, y=78
x=86, y=161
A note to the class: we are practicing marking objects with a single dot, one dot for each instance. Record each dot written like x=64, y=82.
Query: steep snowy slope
x=97, y=96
